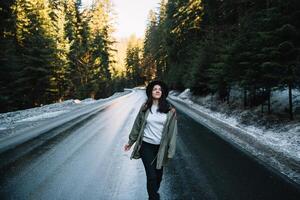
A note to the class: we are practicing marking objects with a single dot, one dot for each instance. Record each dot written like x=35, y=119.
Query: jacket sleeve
x=173, y=138
x=136, y=127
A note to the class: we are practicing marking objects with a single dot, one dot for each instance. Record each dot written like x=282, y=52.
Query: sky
x=131, y=16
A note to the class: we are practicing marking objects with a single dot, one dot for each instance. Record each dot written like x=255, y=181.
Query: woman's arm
x=136, y=127
x=173, y=132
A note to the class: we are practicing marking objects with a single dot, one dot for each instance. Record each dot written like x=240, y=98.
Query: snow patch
x=10, y=120
x=42, y=116
x=185, y=94
x=3, y=128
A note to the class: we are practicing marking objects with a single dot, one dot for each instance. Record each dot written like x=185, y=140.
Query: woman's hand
x=127, y=147
x=174, y=111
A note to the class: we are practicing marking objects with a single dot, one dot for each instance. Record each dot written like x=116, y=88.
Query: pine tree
x=76, y=32
x=9, y=61
x=134, y=61
x=60, y=81
x=34, y=35
x=101, y=46
x=151, y=45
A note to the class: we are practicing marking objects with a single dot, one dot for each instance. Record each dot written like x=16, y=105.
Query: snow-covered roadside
x=278, y=149
x=11, y=122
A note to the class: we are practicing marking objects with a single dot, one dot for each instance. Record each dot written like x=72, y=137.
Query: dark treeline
x=53, y=50
x=212, y=46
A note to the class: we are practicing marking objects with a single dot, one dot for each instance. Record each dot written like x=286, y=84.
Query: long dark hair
x=163, y=105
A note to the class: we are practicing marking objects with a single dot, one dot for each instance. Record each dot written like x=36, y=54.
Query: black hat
x=163, y=86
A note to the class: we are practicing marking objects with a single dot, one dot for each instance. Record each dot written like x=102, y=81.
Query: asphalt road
x=88, y=162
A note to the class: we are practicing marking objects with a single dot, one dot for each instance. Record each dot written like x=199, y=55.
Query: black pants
x=154, y=176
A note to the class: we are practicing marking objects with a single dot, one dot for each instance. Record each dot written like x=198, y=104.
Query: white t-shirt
x=154, y=126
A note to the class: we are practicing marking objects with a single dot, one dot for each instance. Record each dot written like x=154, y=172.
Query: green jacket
x=168, y=141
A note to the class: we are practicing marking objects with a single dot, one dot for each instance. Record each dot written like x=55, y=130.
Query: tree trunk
x=245, y=98
x=228, y=95
x=290, y=102
x=263, y=102
x=269, y=101
x=254, y=97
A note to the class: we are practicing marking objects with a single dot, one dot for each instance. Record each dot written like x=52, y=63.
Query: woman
x=155, y=132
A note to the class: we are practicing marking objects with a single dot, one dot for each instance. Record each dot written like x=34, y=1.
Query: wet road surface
x=207, y=167
x=88, y=162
